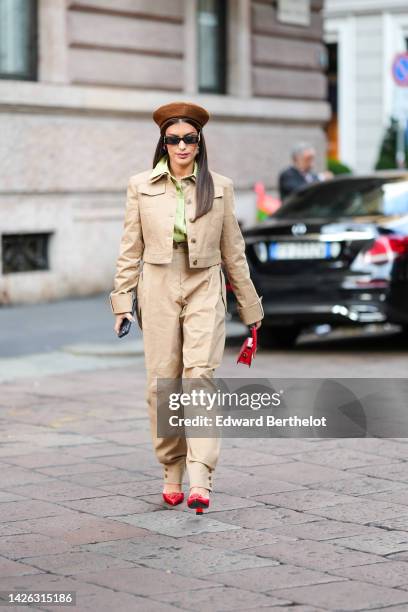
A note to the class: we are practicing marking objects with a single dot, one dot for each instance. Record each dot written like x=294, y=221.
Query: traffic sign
x=400, y=69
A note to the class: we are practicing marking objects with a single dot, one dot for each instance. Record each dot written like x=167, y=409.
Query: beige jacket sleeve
x=233, y=256
x=130, y=254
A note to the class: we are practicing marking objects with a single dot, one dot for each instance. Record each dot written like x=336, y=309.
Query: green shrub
x=386, y=157
x=337, y=167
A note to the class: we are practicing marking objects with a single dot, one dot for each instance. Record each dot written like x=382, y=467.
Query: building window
x=25, y=252
x=212, y=39
x=18, y=39
x=332, y=97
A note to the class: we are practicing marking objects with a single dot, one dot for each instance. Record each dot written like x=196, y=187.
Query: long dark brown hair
x=204, y=180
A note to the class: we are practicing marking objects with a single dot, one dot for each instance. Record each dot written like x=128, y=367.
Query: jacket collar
x=162, y=167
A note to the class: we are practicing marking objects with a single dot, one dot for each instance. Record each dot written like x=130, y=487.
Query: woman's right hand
x=119, y=318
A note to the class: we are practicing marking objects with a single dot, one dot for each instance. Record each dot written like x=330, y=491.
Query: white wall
x=369, y=33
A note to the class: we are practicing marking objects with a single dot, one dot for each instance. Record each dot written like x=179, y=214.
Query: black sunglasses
x=187, y=139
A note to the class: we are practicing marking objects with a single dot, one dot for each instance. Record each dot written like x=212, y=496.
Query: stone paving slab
x=391, y=448
x=402, y=608
x=347, y=595
x=322, y=556
x=74, y=562
x=266, y=579
x=42, y=459
x=29, y=544
x=222, y=599
x=239, y=539
x=399, y=556
x=93, y=475
x=105, y=600
x=395, y=497
x=264, y=517
x=360, y=485
x=297, y=472
x=109, y=505
x=399, y=523
x=54, y=362
x=21, y=510
x=235, y=458
x=292, y=608
x=275, y=446
x=185, y=558
x=346, y=457
x=398, y=472
x=361, y=511
x=177, y=524
x=14, y=568
x=303, y=525
x=6, y=496
x=75, y=528
x=389, y=574
x=305, y=499
x=54, y=490
x=379, y=542
x=324, y=530
x=241, y=485
x=144, y=581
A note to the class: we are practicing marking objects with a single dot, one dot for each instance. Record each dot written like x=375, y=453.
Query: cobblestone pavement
x=302, y=525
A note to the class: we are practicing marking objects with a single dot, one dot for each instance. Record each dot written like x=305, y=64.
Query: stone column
x=239, y=48
x=53, y=41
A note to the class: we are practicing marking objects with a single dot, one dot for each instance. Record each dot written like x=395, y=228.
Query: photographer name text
x=268, y=420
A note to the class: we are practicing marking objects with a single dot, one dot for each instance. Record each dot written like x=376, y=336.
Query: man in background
x=300, y=173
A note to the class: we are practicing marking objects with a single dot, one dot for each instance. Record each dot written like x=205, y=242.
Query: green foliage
x=337, y=167
x=386, y=157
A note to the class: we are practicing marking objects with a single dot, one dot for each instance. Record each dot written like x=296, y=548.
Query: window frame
x=222, y=43
x=31, y=73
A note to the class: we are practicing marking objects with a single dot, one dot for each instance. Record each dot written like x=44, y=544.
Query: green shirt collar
x=162, y=167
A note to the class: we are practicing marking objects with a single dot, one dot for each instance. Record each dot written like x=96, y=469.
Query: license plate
x=303, y=250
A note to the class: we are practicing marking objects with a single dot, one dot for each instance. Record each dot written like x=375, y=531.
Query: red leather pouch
x=248, y=349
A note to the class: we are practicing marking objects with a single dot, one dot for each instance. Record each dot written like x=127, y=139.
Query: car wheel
x=272, y=336
x=404, y=332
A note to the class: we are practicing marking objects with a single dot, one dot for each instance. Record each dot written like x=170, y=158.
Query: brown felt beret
x=181, y=109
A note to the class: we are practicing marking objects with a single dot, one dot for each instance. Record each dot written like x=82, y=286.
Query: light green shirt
x=162, y=166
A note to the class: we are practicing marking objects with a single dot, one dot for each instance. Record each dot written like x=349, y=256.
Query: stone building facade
x=75, y=118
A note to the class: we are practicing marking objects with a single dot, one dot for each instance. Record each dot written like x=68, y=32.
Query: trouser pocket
x=223, y=288
x=139, y=300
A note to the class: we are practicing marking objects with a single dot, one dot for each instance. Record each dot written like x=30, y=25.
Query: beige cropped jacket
x=212, y=239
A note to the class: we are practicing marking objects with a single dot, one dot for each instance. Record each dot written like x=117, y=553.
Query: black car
x=336, y=252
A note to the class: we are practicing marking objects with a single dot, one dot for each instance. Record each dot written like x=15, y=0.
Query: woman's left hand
x=258, y=324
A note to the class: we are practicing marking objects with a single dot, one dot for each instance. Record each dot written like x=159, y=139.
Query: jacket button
x=191, y=219
x=195, y=262
x=193, y=240
x=188, y=201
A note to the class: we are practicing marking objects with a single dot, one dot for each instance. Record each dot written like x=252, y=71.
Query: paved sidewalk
x=302, y=525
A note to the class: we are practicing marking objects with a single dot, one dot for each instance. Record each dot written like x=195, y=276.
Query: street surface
x=302, y=525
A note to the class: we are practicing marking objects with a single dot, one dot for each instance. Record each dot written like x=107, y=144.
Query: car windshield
x=348, y=198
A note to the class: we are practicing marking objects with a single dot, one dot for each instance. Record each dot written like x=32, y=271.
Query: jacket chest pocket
x=151, y=195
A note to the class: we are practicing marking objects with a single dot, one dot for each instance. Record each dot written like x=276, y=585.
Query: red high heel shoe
x=173, y=498
x=198, y=502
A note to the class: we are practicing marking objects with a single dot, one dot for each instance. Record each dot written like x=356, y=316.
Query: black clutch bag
x=125, y=325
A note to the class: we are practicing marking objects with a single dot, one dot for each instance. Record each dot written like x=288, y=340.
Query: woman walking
x=179, y=227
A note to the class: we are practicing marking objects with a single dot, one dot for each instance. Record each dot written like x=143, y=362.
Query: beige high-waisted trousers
x=182, y=312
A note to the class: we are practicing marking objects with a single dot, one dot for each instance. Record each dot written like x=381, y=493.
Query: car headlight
x=261, y=251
